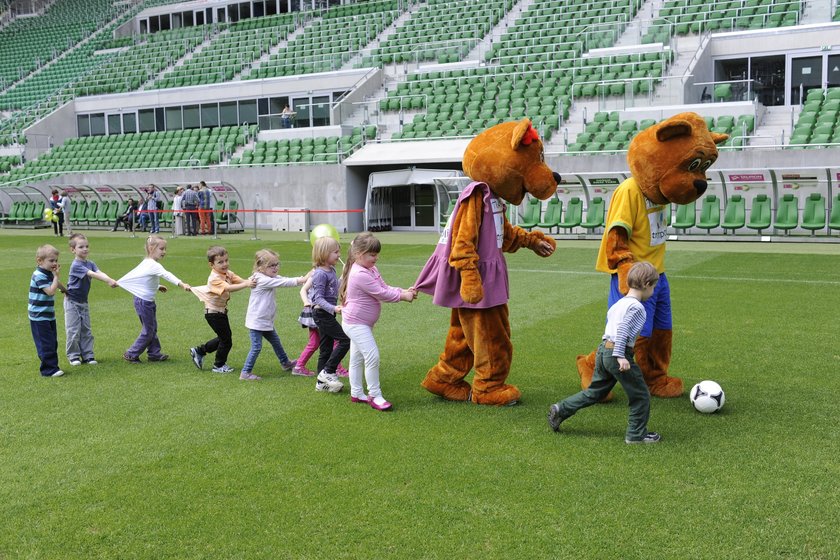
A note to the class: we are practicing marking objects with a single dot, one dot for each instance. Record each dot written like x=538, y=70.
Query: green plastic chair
x=595, y=214
x=735, y=215
x=709, y=213
x=531, y=214
x=574, y=212
x=553, y=213
x=686, y=216
x=787, y=213
x=813, y=215
x=445, y=217
x=834, y=217
x=759, y=213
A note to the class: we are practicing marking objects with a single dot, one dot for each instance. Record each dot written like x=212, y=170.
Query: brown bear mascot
x=668, y=162
x=467, y=271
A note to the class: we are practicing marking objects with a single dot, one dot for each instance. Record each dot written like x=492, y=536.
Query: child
x=324, y=297
x=42, y=288
x=614, y=361
x=143, y=282
x=261, y=310
x=363, y=291
x=307, y=321
x=76, y=309
x=215, y=295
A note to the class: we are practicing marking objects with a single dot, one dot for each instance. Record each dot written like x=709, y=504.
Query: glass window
x=97, y=124
x=248, y=112
x=199, y=18
x=244, y=10
x=176, y=21
x=276, y=105
x=160, y=119
x=832, y=78
x=209, y=115
x=154, y=24
x=164, y=22
x=83, y=125
x=259, y=9
x=129, y=123
x=114, y=124
x=228, y=114
x=192, y=116
x=270, y=7
x=188, y=19
x=173, y=118
x=265, y=123
x=321, y=111
x=262, y=106
x=147, y=120
x=301, y=107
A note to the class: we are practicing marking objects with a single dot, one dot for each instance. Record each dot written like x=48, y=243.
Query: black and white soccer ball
x=707, y=397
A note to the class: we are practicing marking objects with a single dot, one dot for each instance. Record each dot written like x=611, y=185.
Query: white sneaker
x=76, y=362
x=329, y=381
x=91, y=362
x=224, y=368
x=59, y=373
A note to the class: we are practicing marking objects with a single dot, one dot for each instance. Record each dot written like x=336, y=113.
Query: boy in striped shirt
x=42, y=288
x=614, y=360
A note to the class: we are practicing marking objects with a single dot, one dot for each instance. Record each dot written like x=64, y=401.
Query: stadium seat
x=595, y=214
x=686, y=216
x=734, y=216
x=709, y=213
x=759, y=213
x=834, y=217
x=813, y=215
x=572, y=216
x=787, y=213
x=531, y=215
x=448, y=212
x=553, y=213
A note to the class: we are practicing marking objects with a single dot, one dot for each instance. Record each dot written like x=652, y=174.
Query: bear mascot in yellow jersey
x=467, y=272
x=668, y=163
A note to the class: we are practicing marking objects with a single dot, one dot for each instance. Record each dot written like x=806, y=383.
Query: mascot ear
x=719, y=138
x=524, y=134
x=673, y=129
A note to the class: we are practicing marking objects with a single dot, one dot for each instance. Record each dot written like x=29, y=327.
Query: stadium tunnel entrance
x=410, y=199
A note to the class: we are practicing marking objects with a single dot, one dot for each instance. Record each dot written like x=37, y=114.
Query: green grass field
x=166, y=461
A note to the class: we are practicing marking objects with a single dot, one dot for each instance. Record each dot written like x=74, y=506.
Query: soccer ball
x=707, y=397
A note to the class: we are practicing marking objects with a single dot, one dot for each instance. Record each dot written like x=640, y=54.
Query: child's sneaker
x=90, y=362
x=131, y=360
x=302, y=371
x=161, y=358
x=224, y=368
x=197, y=357
x=554, y=418
x=249, y=377
x=650, y=437
x=363, y=399
x=379, y=403
x=289, y=365
x=341, y=371
x=75, y=362
x=59, y=373
x=328, y=382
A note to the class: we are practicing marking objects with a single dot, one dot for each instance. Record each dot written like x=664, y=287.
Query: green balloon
x=322, y=230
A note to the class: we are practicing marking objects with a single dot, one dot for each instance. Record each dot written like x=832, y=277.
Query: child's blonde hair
x=153, y=241
x=75, y=238
x=362, y=244
x=215, y=251
x=641, y=275
x=44, y=252
x=262, y=258
x=322, y=249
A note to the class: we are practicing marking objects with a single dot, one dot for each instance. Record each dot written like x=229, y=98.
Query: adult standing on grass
x=190, y=204
x=155, y=206
x=143, y=282
x=177, y=214
x=205, y=198
x=57, y=206
x=42, y=288
x=614, y=361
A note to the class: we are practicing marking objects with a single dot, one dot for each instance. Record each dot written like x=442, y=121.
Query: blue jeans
x=256, y=347
x=45, y=336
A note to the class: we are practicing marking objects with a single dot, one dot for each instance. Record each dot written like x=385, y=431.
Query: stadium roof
x=410, y=153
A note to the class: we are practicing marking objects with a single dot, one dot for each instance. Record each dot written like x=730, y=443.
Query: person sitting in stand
x=127, y=217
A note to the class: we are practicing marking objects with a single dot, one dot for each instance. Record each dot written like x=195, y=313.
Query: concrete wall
x=54, y=129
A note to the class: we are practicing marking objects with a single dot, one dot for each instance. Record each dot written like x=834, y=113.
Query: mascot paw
x=471, y=288
x=666, y=387
x=505, y=395
x=586, y=368
x=459, y=391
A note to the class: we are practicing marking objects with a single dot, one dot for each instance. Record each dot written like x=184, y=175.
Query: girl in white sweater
x=143, y=283
x=262, y=308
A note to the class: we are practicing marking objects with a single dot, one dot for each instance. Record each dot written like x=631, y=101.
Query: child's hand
x=113, y=283
x=56, y=268
x=338, y=309
x=252, y=282
x=187, y=288
x=623, y=364
x=162, y=289
x=407, y=295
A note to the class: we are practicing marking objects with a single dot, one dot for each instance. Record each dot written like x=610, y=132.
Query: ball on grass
x=322, y=230
x=707, y=397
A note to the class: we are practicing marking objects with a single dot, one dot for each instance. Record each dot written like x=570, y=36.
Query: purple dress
x=443, y=282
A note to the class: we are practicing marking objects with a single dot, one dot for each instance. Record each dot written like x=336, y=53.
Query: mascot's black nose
x=556, y=177
x=701, y=186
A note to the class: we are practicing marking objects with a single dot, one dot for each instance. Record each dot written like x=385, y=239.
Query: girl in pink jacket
x=363, y=291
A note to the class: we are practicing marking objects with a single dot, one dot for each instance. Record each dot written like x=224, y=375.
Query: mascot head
x=669, y=159
x=509, y=158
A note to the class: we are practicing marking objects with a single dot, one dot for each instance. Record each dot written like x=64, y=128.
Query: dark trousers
x=191, y=214
x=58, y=227
x=334, y=343
x=126, y=220
x=45, y=335
x=223, y=342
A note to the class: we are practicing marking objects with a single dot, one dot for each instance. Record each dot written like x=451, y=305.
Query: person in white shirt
x=262, y=308
x=143, y=282
x=177, y=213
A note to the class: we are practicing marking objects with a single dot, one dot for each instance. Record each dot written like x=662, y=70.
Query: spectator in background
x=57, y=205
x=154, y=206
x=127, y=218
x=67, y=208
x=205, y=198
x=189, y=202
x=177, y=214
x=286, y=116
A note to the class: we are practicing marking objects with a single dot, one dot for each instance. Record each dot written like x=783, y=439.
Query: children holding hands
x=215, y=295
x=363, y=290
x=324, y=297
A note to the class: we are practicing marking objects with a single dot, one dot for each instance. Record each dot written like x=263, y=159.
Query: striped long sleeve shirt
x=625, y=320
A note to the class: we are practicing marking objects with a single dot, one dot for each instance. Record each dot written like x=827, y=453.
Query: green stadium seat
x=834, y=217
x=709, y=213
x=734, y=215
x=573, y=214
x=531, y=214
x=595, y=214
x=787, y=213
x=686, y=216
x=759, y=218
x=552, y=215
x=813, y=215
